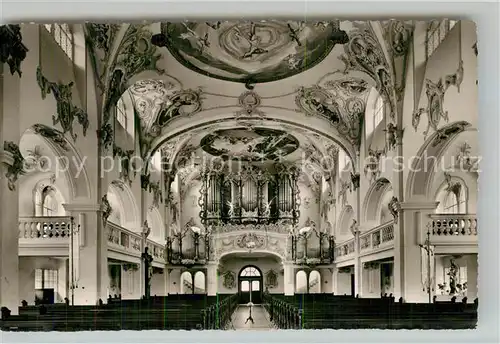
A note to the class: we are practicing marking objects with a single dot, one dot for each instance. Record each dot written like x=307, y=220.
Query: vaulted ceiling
x=205, y=77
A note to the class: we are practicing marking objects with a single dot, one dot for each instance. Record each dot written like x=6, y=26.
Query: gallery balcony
x=377, y=239
x=50, y=235
x=455, y=231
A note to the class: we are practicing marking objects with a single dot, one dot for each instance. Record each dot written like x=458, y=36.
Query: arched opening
x=186, y=286
x=301, y=282
x=125, y=212
x=346, y=218
x=199, y=283
x=314, y=282
x=250, y=285
x=452, y=198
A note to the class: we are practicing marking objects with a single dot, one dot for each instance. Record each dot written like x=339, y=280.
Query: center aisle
x=259, y=315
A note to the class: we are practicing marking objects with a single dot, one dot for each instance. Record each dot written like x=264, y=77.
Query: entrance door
x=250, y=285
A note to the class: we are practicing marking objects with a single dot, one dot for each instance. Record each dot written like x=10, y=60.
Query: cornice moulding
x=88, y=207
x=424, y=205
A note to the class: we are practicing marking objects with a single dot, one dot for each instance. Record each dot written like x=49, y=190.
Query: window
x=436, y=32
x=46, y=279
x=121, y=115
x=63, y=36
x=49, y=202
x=378, y=113
x=250, y=271
x=453, y=204
x=344, y=160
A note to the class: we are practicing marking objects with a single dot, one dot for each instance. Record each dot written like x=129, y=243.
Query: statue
x=453, y=277
x=148, y=272
x=146, y=230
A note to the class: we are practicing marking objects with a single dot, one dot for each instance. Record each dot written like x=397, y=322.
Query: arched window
x=452, y=201
x=436, y=32
x=49, y=202
x=63, y=36
x=378, y=112
x=250, y=271
x=121, y=115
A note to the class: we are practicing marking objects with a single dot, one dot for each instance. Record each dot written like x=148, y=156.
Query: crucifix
x=428, y=248
x=148, y=267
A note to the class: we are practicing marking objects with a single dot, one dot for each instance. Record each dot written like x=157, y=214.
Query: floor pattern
x=259, y=315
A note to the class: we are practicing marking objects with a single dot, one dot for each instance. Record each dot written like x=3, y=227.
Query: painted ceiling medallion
x=256, y=144
x=251, y=52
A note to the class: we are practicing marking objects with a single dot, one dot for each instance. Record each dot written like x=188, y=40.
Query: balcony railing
x=124, y=239
x=453, y=225
x=345, y=249
x=378, y=237
x=451, y=229
x=156, y=250
x=44, y=228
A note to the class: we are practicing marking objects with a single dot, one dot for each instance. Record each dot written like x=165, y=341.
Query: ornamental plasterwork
x=464, y=158
x=364, y=53
x=435, y=101
x=16, y=168
x=372, y=165
x=280, y=228
x=343, y=114
x=397, y=35
x=249, y=241
x=249, y=101
x=344, y=186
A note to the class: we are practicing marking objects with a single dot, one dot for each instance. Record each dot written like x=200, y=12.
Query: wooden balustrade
x=45, y=227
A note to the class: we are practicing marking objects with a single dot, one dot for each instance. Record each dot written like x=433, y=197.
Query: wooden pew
x=340, y=312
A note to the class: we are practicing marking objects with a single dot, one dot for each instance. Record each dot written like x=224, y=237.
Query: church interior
x=267, y=174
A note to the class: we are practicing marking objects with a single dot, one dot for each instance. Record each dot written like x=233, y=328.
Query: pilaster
x=289, y=279
x=10, y=168
x=89, y=271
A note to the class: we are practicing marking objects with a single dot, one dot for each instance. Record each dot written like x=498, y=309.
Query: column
x=409, y=233
x=358, y=266
x=167, y=281
x=289, y=279
x=90, y=255
x=10, y=168
x=211, y=279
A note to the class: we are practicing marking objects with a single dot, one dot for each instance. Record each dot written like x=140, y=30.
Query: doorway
x=250, y=285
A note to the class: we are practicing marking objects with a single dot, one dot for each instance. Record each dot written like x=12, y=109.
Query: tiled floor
x=259, y=315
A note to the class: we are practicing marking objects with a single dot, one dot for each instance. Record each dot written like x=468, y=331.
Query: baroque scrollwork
x=271, y=279
x=435, y=100
x=372, y=165
x=125, y=164
x=16, y=168
x=13, y=51
x=398, y=37
x=229, y=280
x=106, y=209
x=67, y=112
x=364, y=53
x=344, y=186
x=394, y=136
x=249, y=101
x=51, y=134
x=394, y=208
x=344, y=114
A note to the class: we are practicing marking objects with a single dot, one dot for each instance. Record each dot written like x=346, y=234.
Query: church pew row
x=318, y=311
x=167, y=313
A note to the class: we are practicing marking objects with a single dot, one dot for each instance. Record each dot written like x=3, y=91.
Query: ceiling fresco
x=251, y=52
x=256, y=144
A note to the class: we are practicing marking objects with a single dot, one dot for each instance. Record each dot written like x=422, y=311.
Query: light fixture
x=196, y=230
x=305, y=230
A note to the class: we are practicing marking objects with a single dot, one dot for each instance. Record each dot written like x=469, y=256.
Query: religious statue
x=453, y=277
x=148, y=272
x=146, y=230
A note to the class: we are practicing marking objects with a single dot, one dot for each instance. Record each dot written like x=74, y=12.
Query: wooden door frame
x=250, y=278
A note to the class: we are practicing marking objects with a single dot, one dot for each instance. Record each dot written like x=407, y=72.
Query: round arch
x=345, y=219
x=277, y=117
x=424, y=164
x=250, y=284
x=156, y=224
x=373, y=200
x=64, y=159
x=128, y=208
x=235, y=252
